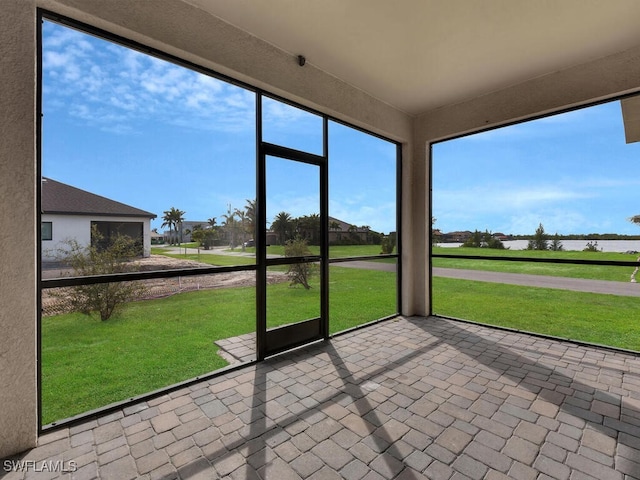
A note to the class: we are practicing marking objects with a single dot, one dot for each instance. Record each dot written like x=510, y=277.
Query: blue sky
x=154, y=135
x=572, y=172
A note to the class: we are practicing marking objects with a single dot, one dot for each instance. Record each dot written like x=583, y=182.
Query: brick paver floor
x=409, y=398
x=238, y=349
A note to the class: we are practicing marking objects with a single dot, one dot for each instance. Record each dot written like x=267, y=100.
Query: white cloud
x=554, y=221
x=518, y=210
x=53, y=59
x=379, y=217
x=294, y=204
x=525, y=198
x=90, y=75
x=497, y=199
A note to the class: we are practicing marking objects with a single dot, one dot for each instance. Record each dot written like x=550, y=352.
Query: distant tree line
x=483, y=240
x=307, y=227
x=585, y=236
x=239, y=225
x=540, y=240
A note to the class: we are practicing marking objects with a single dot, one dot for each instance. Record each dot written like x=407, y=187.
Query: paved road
x=577, y=284
x=563, y=283
x=627, y=289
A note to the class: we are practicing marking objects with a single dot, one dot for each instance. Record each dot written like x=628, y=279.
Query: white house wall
x=65, y=228
x=78, y=228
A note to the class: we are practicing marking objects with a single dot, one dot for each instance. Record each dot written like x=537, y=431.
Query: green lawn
x=335, y=251
x=207, y=258
x=87, y=363
x=596, y=272
x=602, y=319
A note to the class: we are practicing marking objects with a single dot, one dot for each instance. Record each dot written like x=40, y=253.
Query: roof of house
x=60, y=198
x=344, y=226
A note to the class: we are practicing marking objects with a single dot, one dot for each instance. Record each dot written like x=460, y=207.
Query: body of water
x=579, y=245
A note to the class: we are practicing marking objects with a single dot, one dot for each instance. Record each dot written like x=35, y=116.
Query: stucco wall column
x=415, y=251
x=18, y=394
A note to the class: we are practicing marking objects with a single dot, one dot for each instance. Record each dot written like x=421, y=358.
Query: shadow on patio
x=407, y=398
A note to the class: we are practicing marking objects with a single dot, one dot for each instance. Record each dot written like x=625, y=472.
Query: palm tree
x=167, y=222
x=335, y=226
x=309, y=228
x=229, y=224
x=367, y=229
x=251, y=211
x=178, y=218
x=281, y=226
x=211, y=222
x=353, y=234
x=242, y=217
x=172, y=218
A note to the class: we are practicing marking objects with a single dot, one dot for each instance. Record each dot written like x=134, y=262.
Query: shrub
x=388, y=243
x=540, y=240
x=104, y=298
x=556, y=244
x=299, y=273
x=592, y=247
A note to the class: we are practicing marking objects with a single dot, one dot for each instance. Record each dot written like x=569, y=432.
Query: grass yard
x=595, y=272
x=87, y=364
x=359, y=296
x=335, y=251
x=602, y=319
x=208, y=258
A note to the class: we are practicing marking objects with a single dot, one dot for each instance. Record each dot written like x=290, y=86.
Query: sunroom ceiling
x=418, y=55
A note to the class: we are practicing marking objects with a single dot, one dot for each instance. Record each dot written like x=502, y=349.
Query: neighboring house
x=455, y=237
x=69, y=213
x=157, y=238
x=502, y=237
x=340, y=231
x=185, y=229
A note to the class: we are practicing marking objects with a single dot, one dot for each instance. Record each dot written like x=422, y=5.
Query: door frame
x=276, y=340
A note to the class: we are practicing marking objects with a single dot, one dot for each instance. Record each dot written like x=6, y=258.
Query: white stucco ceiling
x=418, y=55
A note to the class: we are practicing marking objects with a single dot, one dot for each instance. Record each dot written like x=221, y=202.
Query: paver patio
x=408, y=398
